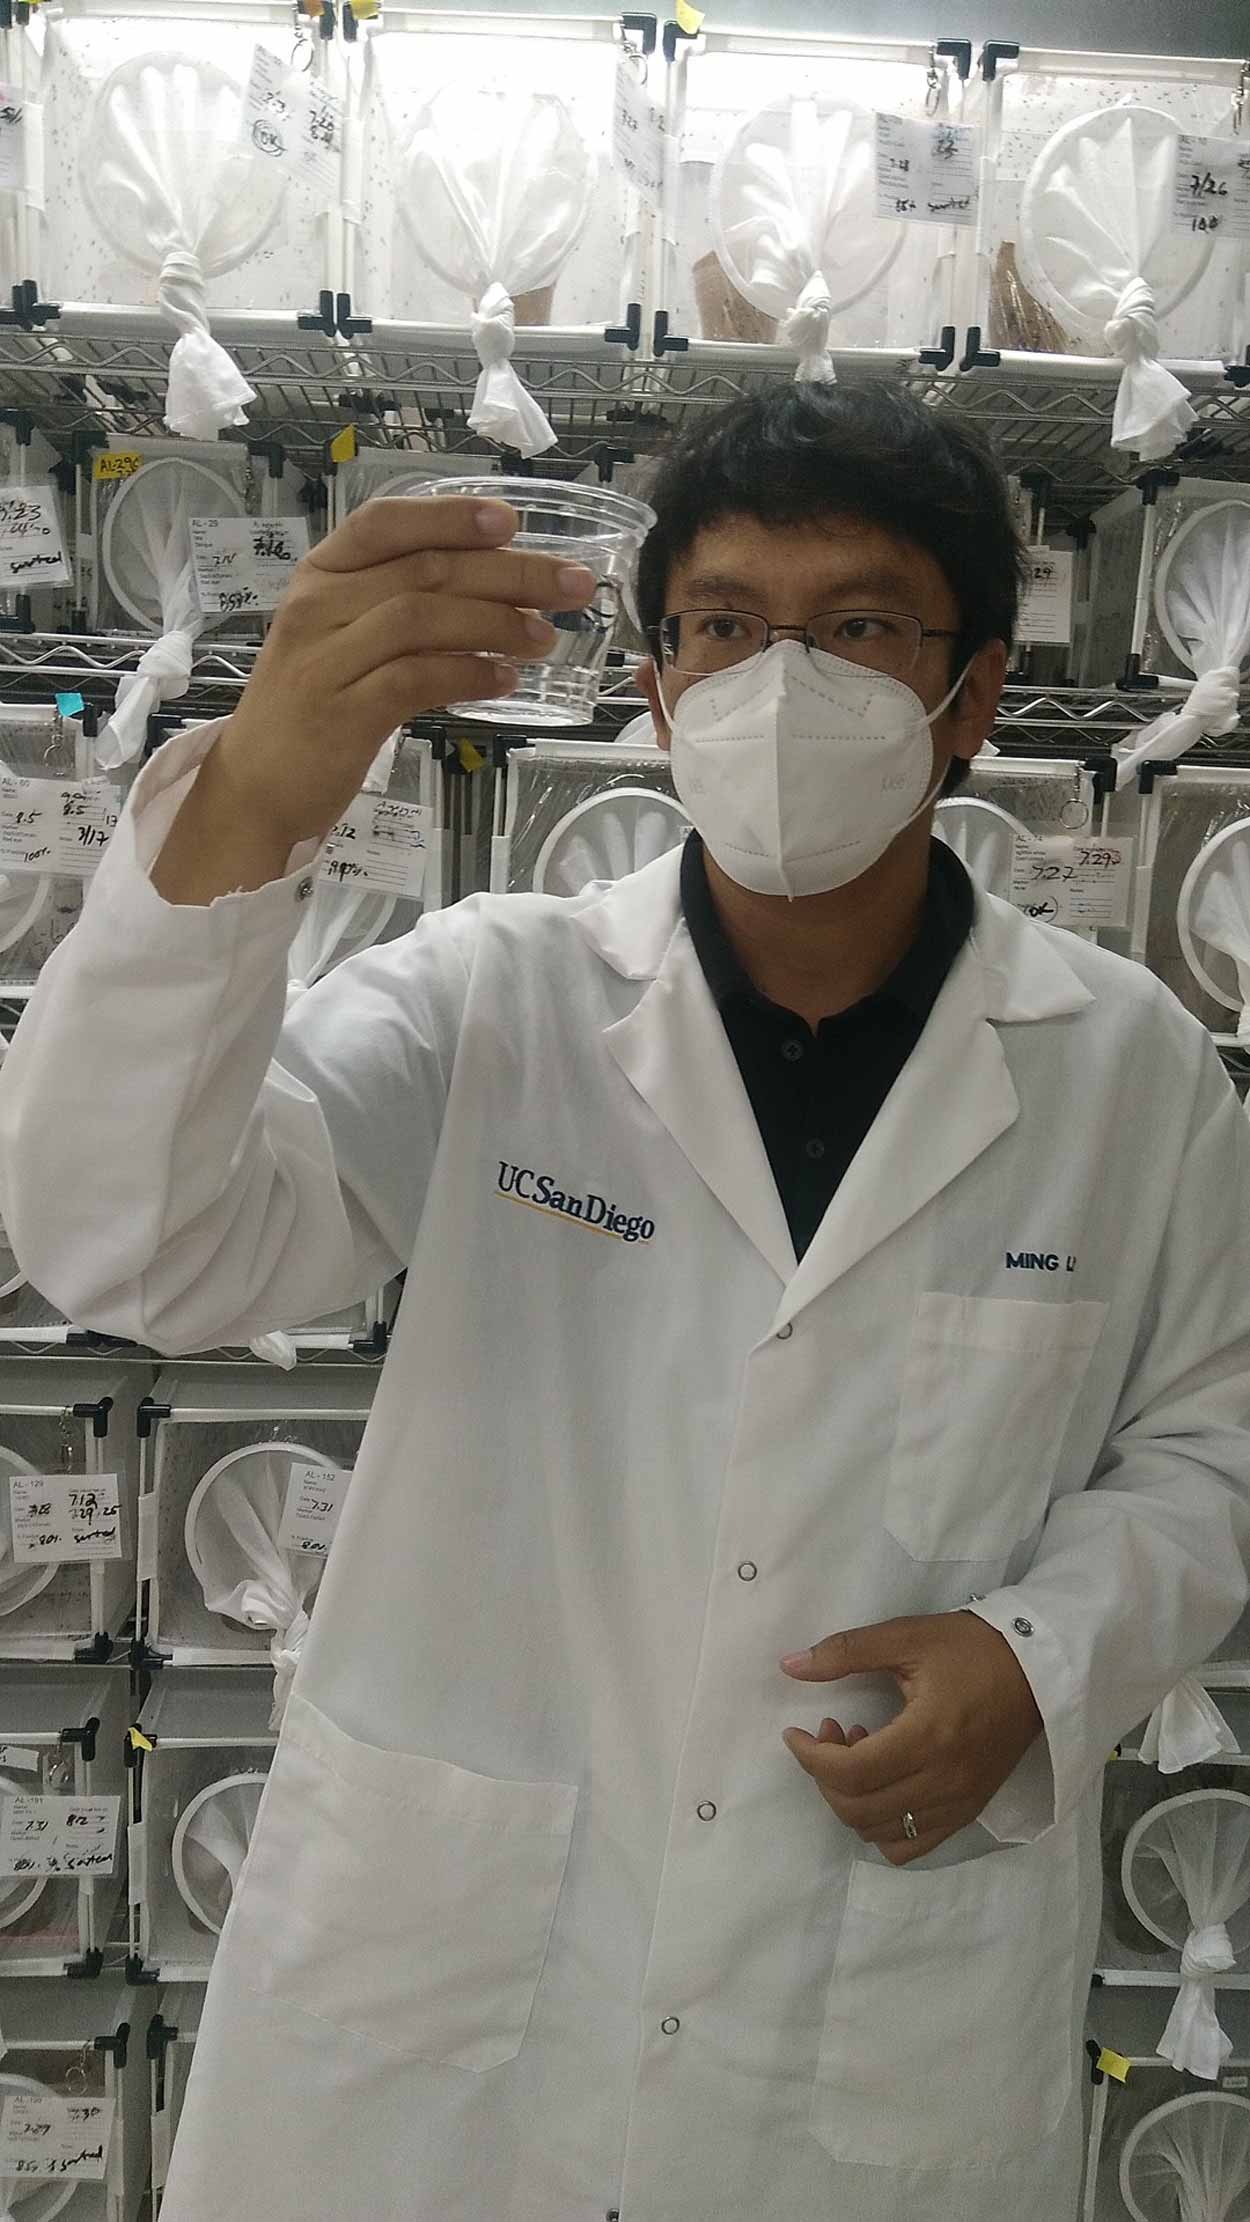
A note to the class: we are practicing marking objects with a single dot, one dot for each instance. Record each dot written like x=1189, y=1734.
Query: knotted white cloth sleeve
x=1209, y=707
x=1185, y=1729
x=1152, y=408
x=162, y=674
x=1193, y=2038
x=807, y=328
x=207, y=391
x=502, y=409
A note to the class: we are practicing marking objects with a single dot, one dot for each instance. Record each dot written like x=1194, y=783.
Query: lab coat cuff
x=123, y=887
x=1047, y=1783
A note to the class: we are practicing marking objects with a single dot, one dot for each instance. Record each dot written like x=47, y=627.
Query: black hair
x=794, y=452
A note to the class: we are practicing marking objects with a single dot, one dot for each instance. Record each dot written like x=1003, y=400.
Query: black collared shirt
x=815, y=1095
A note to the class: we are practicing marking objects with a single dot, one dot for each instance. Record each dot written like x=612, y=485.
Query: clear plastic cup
x=581, y=524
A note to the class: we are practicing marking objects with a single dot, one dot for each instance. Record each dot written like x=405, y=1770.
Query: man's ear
x=970, y=718
x=649, y=687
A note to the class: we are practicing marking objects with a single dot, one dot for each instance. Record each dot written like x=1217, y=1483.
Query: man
x=803, y=1250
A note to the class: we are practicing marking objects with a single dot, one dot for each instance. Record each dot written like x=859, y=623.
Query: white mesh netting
x=231, y=1535
x=1213, y=921
x=1098, y=249
x=983, y=838
x=793, y=204
x=1186, y=1874
x=607, y=836
x=1202, y=606
x=1186, y=1728
x=210, y=1845
x=146, y=557
x=1189, y=2161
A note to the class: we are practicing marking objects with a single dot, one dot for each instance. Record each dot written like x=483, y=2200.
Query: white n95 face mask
x=799, y=769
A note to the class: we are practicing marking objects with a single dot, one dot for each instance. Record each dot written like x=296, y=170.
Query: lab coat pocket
x=989, y=1386
x=401, y=1897
x=949, y=2031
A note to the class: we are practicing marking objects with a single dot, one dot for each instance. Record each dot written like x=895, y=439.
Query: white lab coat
x=541, y=1919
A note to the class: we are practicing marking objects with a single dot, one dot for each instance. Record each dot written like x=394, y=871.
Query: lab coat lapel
x=674, y=1050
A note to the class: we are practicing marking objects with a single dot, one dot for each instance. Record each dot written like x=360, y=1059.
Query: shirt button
x=1023, y=1627
x=784, y=1333
x=303, y=891
x=814, y=1148
x=792, y=1051
x=747, y=1571
x=670, y=2025
x=707, y=1811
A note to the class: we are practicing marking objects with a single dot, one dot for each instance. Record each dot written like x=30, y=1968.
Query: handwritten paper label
x=57, y=1835
x=55, y=825
x=379, y=842
x=1046, y=606
x=314, y=1500
x=1212, y=189
x=293, y=120
x=245, y=563
x=637, y=134
x=17, y=127
x=65, y=1516
x=1064, y=881
x=32, y=552
x=18, y=1759
x=42, y=2134
x=926, y=172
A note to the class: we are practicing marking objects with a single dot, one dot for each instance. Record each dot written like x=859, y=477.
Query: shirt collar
x=915, y=981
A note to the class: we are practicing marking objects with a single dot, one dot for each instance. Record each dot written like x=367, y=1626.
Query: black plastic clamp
x=943, y=355
x=145, y=1659
x=160, y=2032
x=647, y=29
x=86, y=1969
x=606, y=458
x=1133, y=680
x=132, y=1753
x=1199, y=445
x=1238, y=374
x=22, y=620
x=22, y=424
x=958, y=51
x=84, y=1737
x=1080, y=530
x=274, y=456
x=976, y=357
x=629, y=333
x=148, y=1414
x=96, y=1653
x=1103, y=771
x=1150, y=483
x=27, y=310
x=314, y=496
x=349, y=326
x=97, y=1413
x=1156, y=767
x=673, y=32
x=1094, y=2049
x=140, y=1977
x=118, y=2044
x=322, y=318
x=326, y=24
x=374, y=1344
x=663, y=341
x=350, y=25
x=995, y=51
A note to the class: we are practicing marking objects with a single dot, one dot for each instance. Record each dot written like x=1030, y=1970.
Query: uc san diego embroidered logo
x=540, y=1192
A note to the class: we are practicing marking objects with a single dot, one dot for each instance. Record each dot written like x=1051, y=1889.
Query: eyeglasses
x=704, y=641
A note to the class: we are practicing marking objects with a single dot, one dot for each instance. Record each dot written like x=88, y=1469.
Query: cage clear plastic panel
x=177, y=2021
x=160, y=189
x=1199, y=610
x=1185, y=814
x=30, y=462
x=484, y=158
x=178, y=1620
x=68, y=1918
x=58, y=2036
x=136, y=557
x=36, y=910
x=381, y=471
x=1130, y=1951
x=211, y=1735
x=51, y=1610
x=547, y=785
x=1199, y=283
x=1122, y=528
x=1131, y=2024
x=1047, y=798
x=774, y=183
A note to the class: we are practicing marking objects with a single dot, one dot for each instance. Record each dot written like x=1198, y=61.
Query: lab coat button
x=303, y=891
x=784, y=1333
x=1023, y=1627
x=670, y=2026
x=792, y=1051
x=707, y=1811
x=815, y=1148
x=747, y=1572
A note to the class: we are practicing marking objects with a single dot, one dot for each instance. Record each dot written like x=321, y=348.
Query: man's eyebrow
x=721, y=588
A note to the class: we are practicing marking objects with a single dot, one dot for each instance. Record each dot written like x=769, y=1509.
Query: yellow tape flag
x=1114, y=2063
x=343, y=445
x=365, y=10
x=139, y=1741
x=117, y=462
x=689, y=20
x=471, y=759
